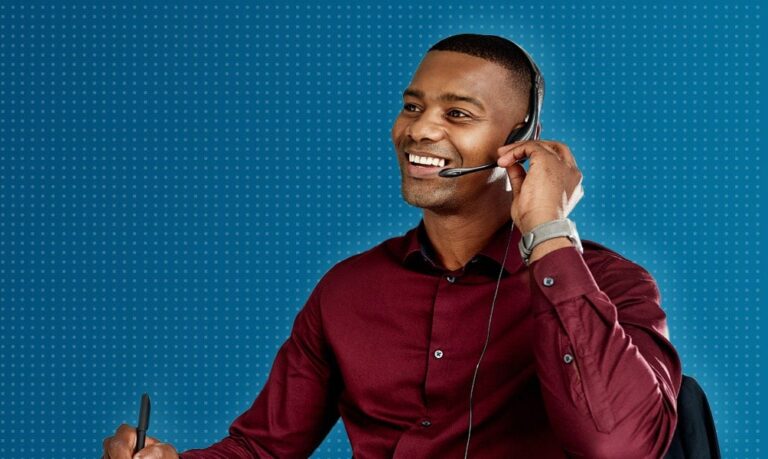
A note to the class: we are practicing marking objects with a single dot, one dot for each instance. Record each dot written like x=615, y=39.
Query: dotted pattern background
x=175, y=178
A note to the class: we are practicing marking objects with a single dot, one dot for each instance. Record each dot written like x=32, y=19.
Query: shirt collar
x=418, y=247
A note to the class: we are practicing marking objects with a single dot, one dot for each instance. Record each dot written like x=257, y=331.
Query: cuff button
x=548, y=281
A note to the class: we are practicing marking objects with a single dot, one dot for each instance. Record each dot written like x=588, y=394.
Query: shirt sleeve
x=608, y=372
x=297, y=407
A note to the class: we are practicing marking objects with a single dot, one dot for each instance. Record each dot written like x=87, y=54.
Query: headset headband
x=528, y=131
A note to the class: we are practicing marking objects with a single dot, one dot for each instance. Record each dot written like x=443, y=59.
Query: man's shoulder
x=632, y=287
x=611, y=268
x=371, y=262
x=598, y=254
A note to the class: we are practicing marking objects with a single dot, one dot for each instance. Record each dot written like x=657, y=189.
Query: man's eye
x=461, y=114
x=464, y=115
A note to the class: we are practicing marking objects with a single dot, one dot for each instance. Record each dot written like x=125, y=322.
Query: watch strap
x=546, y=231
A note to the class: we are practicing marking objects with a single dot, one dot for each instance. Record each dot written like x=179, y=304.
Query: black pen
x=141, y=429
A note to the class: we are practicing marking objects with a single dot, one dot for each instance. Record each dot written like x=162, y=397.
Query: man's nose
x=425, y=128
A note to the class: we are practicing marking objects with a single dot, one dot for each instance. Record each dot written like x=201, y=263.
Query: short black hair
x=496, y=49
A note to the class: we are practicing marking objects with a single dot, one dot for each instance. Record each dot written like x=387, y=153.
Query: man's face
x=460, y=131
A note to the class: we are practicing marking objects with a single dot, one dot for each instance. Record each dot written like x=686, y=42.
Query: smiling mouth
x=441, y=163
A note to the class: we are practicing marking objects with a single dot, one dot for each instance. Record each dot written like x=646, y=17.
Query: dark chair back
x=695, y=436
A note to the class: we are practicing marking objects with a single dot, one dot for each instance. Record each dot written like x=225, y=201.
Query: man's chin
x=439, y=206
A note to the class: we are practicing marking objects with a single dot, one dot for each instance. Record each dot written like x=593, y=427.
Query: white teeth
x=426, y=160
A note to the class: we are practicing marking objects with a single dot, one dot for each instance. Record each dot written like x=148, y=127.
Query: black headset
x=527, y=132
x=534, y=110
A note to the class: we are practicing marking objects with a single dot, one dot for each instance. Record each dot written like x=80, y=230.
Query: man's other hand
x=123, y=442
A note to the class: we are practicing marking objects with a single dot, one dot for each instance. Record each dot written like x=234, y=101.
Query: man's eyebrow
x=445, y=97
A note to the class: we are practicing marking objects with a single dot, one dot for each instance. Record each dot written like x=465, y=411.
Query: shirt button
x=438, y=354
x=450, y=279
x=548, y=281
x=426, y=423
x=567, y=358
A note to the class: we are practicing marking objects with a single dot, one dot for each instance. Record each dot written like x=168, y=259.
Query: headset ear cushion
x=512, y=137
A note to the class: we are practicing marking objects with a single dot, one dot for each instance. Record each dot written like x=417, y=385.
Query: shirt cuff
x=560, y=275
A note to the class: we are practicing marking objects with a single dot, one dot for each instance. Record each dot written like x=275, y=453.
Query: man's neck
x=457, y=238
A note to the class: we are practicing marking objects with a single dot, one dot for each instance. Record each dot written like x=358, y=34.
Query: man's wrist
x=527, y=225
x=549, y=245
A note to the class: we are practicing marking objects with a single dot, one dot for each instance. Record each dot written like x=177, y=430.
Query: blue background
x=176, y=177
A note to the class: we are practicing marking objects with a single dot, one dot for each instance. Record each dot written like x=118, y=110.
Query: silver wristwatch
x=546, y=231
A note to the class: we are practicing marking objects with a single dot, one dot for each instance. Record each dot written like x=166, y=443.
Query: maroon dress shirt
x=579, y=362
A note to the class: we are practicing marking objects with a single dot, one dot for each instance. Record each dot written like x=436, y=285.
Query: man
x=407, y=342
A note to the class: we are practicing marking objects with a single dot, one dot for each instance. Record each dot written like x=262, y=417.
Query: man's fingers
x=157, y=451
x=123, y=443
x=149, y=441
x=104, y=446
x=504, y=149
x=119, y=449
x=562, y=151
x=120, y=445
x=519, y=150
x=126, y=433
x=524, y=151
x=552, y=148
x=150, y=452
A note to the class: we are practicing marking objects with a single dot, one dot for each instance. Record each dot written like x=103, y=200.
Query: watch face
x=528, y=241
